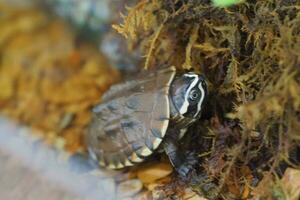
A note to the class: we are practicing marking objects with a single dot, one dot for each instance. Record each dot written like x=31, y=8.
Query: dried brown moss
x=250, y=54
x=47, y=80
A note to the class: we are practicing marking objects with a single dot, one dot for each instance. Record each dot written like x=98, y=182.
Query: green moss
x=225, y=3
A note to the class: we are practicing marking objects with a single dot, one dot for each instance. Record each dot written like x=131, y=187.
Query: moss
x=250, y=54
x=224, y=3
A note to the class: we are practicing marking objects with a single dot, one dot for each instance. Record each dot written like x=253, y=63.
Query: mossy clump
x=250, y=54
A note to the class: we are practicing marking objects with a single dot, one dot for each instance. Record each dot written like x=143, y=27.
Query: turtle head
x=188, y=92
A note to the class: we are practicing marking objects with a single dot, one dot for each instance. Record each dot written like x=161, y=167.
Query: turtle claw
x=186, y=169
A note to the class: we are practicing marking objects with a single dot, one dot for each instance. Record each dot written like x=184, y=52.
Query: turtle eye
x=194, y=95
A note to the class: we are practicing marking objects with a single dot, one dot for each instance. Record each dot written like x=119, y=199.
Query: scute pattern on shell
x=132, y=120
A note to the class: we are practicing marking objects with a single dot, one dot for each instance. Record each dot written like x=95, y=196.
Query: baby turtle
x=138, y=117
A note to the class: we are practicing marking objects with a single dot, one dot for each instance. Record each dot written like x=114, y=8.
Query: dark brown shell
x=132, y=120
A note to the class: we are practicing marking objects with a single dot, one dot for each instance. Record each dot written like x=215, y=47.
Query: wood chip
x=291, y=182
x=129, y=188
x=151, y=173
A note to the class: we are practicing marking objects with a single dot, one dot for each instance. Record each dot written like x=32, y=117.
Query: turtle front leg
x=181, y=162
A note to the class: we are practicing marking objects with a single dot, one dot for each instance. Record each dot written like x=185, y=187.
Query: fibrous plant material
x=250, y=54
x=48, y=81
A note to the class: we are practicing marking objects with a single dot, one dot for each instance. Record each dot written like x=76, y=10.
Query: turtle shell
x=131, y=121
